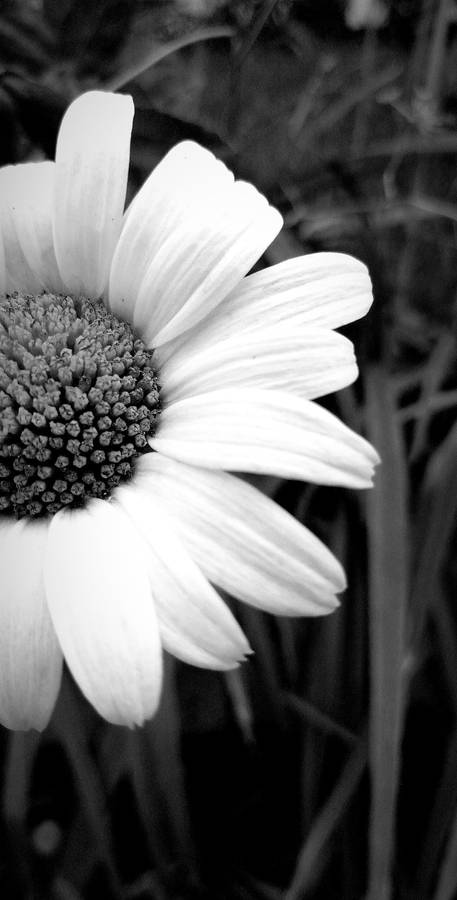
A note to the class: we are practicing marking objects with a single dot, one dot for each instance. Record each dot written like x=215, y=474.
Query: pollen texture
x=79, y=397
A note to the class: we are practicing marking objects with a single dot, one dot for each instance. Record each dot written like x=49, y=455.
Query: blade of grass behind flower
x=263, y=669
x=323, y=680
x=437, y=516
x=20, y=756
x=448, y=870
x=241, y=705
x=158, y=780
x=155, y=54
x=69, y=727
x=444, y=808
x=388, y=590
x=434, y=373
x=310, y=860
x=319, y=720
x=436, y=522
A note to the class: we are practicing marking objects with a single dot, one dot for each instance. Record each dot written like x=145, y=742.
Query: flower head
x=138, y=366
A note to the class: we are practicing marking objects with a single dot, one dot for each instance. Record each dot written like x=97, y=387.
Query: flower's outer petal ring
x=323, y=290
x=189, y=236
x=243, y=541
x=18, y=275
x=2, y=264
x=265, y=432
x=195, y=624
x=309, y=362
x=101, y=606
x=188, y=651
x=30, y=656
x=92, y=160
x=31, y=195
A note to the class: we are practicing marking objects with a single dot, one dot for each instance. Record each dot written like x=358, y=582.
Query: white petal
x=31, y=199
x=92, y=160
x=195, y=623
x=189, y=237
x=268, y=432
x=324, y=290
x=30, y=657
x=19, y=276
x=243, y=541
x=309, y=362
x=100, y=602
x=2, y=263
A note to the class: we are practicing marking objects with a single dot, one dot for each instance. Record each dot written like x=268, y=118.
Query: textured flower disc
x=79, y=398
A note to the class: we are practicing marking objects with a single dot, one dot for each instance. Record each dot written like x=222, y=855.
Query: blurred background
x=326, y=768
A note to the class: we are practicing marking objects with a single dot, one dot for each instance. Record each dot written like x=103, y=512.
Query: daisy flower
x=138, y=366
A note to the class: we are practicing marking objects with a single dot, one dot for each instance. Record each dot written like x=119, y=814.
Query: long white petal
x=30, y=656
x=92, y=160
x=195, y=623
x=268, y=432
x=309, y=362
x=101, y=606
x=18, y=275
x=2, y=264
x=190, y=235
x=324, y=290
x=243, y=541
x=31, y=198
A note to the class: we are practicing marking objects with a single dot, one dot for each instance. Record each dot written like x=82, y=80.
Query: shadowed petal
x=100, y=602
x=2, y=265
x=31, y=195
x=30, y=657
x=196, y=625
x=18, y=275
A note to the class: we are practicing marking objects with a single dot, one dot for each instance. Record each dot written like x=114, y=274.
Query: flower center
x=79, y=397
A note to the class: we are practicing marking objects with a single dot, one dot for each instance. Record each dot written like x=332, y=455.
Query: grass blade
x=310, y=858
x=388, y=590
x=155, y=54
x=436, y=522
x=69, y=727
x=448, y=875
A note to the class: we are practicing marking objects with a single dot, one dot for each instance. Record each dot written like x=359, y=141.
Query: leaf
x=20, y=757
x=70, y=728
x=436, y=514
x=155, y=54
x=310, y=858
x=388, y=590
x=157, y=773
x=448, y=871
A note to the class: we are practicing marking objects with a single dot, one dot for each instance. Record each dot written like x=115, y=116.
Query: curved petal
x=187, y=650
x=31, y=194
x=189, y=236
x=243, y=541
x=309, y=362
x=324, y=290
x=101, y=606
x=268, y=432
x=30, y=657
x=92, y=160
x=195, y=623
x=18, y=275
